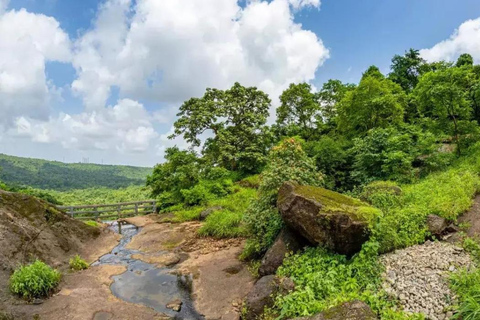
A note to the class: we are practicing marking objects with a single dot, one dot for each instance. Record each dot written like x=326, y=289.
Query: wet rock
x=326, y=218
x=260, y=297
x=287, y=241
x=353, y=310
x=205, y=213
x=436, y=225
x=175, y=305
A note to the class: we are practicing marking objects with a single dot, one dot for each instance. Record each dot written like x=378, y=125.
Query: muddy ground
x=220, y=280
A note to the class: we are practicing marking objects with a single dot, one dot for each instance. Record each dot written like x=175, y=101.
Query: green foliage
x=43, y=174
x=287, y=162
x=407, y=69
x=473, y=247
x=36, y=280
x=329, y=96
x=466, y=285
x=236, y=118
x=92, y=223
x=101, y=195
x=376, y=103
x=223, y=224
x=76, y=263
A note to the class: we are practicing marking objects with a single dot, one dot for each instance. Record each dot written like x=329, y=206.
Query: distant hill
x=61, y=176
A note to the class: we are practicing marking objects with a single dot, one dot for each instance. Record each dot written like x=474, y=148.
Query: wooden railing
x=109, y=211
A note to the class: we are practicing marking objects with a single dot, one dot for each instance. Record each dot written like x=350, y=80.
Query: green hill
x=61, y=176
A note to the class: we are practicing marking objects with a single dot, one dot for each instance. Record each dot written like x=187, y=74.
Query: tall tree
x=299, y=110
x=407, y=69
x=236, y=118
x=465, y=60
x=329, y=96
x=442, y=95
x=376, y=102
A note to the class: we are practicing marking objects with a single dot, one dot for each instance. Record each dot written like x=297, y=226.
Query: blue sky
x=127, y=66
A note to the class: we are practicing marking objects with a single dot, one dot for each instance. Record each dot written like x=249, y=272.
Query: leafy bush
x=35, y=280
x=76, y=263
x=287, y=161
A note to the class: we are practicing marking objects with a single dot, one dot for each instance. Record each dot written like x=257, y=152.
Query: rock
x=326, y=218
x=37, y=301
x=353, y=310
x=285, y=285
x=175, y=305
x=260, y=297
x=286, y=242
x=205, y=213
x=234, y=269
x=436, y=225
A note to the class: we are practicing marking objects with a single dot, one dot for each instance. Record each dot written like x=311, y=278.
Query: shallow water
x=144, y=283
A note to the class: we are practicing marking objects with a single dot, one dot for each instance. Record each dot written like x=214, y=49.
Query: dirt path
x=472, y=218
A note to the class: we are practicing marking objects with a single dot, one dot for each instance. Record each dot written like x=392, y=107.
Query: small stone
x=175, y=305
x=37, y=301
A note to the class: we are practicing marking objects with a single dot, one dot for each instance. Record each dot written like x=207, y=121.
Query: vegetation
x=76, y=263
x=43, y=174
x=36, y=280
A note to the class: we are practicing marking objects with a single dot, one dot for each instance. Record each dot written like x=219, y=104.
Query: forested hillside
x=60, y=176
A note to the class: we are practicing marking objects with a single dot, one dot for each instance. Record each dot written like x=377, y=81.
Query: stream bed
x=145, y=283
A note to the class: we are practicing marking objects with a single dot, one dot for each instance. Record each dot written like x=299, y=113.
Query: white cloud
x=169, y=51
x=27, y=42
x=466, y=39
x=297, y=4
x=125, y=127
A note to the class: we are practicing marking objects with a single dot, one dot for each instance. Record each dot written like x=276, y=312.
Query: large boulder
x=287, y=241
x=436, y=225
x=260, y=296
x=353, y=310
x=326, y=218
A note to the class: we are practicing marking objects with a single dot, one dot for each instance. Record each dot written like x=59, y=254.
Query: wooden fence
x=109, y=211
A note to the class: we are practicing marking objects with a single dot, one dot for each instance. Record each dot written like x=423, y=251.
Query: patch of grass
x=188, y=214
x=466, y=285
x=92, y=223
x=76, y=263
x=36, y=280
x=472, y=247
x=223, y=224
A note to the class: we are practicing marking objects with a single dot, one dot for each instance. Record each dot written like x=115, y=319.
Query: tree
x=442, y=96
x=299, y=109
x=329, y=96
x=376, y=102
x=180, y=171
x=236, y=118
x=407, y=69
x=465, y=60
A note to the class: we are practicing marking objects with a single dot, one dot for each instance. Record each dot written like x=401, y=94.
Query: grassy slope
x=60, y=176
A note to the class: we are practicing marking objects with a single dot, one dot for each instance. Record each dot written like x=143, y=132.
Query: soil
x=472, y=219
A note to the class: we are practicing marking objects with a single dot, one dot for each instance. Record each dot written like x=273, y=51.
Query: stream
x=145, y=283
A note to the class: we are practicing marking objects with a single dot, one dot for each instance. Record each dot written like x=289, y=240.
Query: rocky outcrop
x=353, y=310
x=326, y=218
x=286, y=242
x=436, y=225
x=260, y=296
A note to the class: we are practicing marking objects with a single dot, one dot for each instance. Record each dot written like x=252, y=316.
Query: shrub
x=77, y=263
x=287, y=161
x=36, y=280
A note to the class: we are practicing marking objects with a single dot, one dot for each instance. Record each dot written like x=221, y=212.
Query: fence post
x=154, y=206
x=96, y=213
x=119, y=211
x=136, y=209
x=72, y=214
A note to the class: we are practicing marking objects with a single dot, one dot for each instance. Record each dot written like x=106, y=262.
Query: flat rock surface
x=418, y=276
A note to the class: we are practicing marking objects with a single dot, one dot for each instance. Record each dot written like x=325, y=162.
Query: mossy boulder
x=326, y=218
x=353, y=310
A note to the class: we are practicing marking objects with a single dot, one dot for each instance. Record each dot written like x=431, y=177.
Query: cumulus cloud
x=169, y=51
x=125, y=127
x=466, y=39
x=27, y=42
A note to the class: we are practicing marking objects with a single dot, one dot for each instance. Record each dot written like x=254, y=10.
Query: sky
x=103, y=80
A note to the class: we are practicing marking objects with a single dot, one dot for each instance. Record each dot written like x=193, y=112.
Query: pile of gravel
x=418, y=277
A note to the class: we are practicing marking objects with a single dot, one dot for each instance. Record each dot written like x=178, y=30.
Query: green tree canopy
x=329, y=96
x=407, y=69
x=376, y=102
x=236, y=117
x=465, y=60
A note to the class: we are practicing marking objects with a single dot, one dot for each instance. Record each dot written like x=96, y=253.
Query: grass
x=92, y=223
x=36, y=280
x=225, y=222
x=466, y=284
x=76, y=263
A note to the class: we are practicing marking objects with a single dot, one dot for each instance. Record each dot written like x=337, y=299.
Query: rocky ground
x=418, y=275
